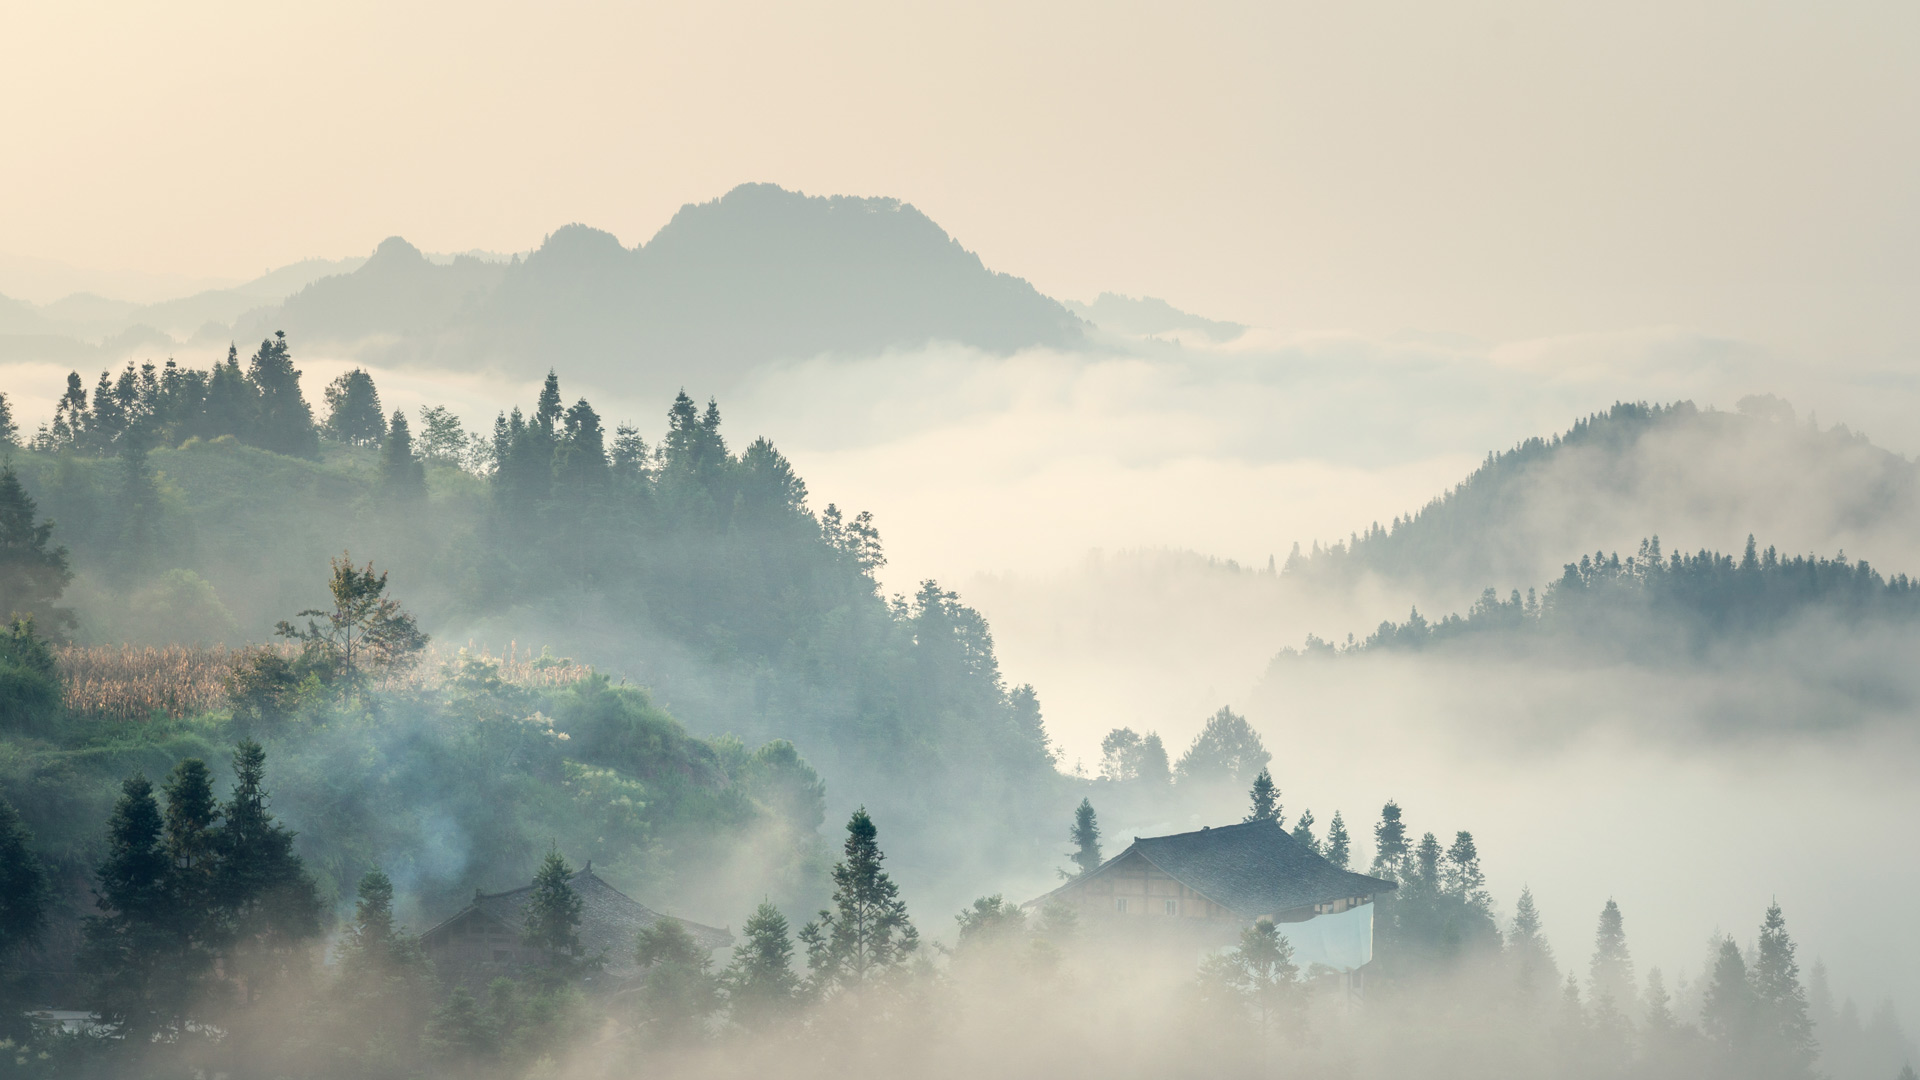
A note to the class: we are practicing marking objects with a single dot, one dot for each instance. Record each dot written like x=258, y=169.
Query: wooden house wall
x=1135, y=888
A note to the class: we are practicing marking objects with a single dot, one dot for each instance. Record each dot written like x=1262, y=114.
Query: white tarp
x=1343, y=942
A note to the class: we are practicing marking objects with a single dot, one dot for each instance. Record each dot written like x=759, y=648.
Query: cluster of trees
x=696, y=566
x=1227, y=751
x=1656, y=604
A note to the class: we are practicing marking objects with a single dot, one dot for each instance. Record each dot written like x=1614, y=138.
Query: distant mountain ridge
x=757, y=275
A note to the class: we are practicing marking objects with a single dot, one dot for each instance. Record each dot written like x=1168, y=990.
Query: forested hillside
x=1699, y=478
x=205, y=505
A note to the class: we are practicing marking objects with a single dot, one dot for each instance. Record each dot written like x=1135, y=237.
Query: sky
x=1502, y=170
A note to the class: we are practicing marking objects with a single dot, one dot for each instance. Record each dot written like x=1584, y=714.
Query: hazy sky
x=1503, y=170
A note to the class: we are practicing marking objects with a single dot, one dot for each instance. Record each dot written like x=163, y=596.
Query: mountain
x=758, y=275
x=1695, y=478
x=1147, y=316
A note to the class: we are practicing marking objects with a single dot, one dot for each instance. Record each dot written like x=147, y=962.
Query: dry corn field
x=129, y=682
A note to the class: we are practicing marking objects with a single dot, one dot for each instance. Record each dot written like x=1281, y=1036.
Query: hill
x=1695, y=478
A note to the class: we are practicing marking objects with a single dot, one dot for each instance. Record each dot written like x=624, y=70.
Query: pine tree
x=867, y=937
x=1661, y=1023
x=139, y=502
x=33, y=572
x=1155, y=771
x=1727, y=1013
x=1784, y=1031
x=108, y=422
x=1265, y=797
x=382, y=989
x=9, y=430
x=233, y=402
x=1426, y=864
x=137, y=978
x=677, y=988
x=24, y=889
x=581, y=464
x=354, y=415
x=283, y=423
x=1610, y=973
x=1535, y=971
x=553, y=917
x=1085, y=837
x=271, y=902
x=402, y=475
x=1464, y=880
x=71, y=417
x=1339, y=850
x=191, y=838
x=760, y=983
x=459, y=1035
x=1303, y=831
x=1390, y=844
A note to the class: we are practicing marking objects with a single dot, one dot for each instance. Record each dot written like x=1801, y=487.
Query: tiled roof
x=610, y=920
x=1252, y=869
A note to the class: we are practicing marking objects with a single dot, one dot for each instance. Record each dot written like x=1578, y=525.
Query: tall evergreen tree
x=9, y=428
x=33, y=571
x=1265, y=797
x=1610, y=973
x=1784, y=1031
x=1085, y=838
x=233, y=401
x=401, y=473
x=71, y=417
x=1727, y=1013
x=108, y=421
x=283, y=422
x=1463, y=877
x=1390, y=844
x=271, y=902
x=139, y=502
x=1531, y=955
x=867, y=937
x=677, y=988
x=761, y=986
x=24, y=889
x=1426, y=864
x=1303, y=831
x=383, y=989
x=354, y=415
x=1339, y=850
x=553, y=917
x=138, y=980
x=581, y=464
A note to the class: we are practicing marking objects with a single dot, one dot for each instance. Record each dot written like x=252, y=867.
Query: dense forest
x=1662, y=608
x=205, y=505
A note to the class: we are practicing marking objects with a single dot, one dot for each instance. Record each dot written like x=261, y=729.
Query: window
x=1173, y=907
x=1120, y=904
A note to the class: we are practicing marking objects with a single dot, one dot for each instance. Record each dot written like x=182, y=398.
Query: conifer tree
x=1464, y=879
x=581, y=464
x=71, y=417
x=553, y=917
x=137, y=981
x=1265, y=797
x=1426, y=864
x=401, y=473
x=1726, y=1015
x=677, y=988
x=9, y=429
x=1535, y=971
x=33, y=571
x=191, y=840
x=1339, y=850
x=1085, y=837
x=1610, y=973
x=761, y=986
x=139, y=499
x=283, y=423
x=108, y=420
x=1784, y=1031
x=354, y=415
x=459, y=1036
x=1661, y=1023
x=1303, y=831
x=867, y=937
x=383, y=986
x=24, y=889
x=1390, y=844
x=270, y=901
x=232, y=400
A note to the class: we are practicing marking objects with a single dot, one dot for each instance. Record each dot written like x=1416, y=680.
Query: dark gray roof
x=610, y=920
x=1252, y=869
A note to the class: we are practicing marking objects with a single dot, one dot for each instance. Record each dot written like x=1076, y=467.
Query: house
x=1202, y=888
x=482, y=941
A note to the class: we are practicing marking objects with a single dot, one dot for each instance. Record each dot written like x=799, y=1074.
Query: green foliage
x=761, y=986
x=990, y=923
x=1265, y=799
x=365, y=636
x=1610, y=973
x=29, y=679
x=867, y=938
x=1303, y=831
x=1227, y=752
x=678, y=991
x=1339, y=846
x=1257, y=981
x=282, y=421
x=1085, y=838
x=33, y=572
x=553, y=917
x=353, y=409
x=402, y=475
